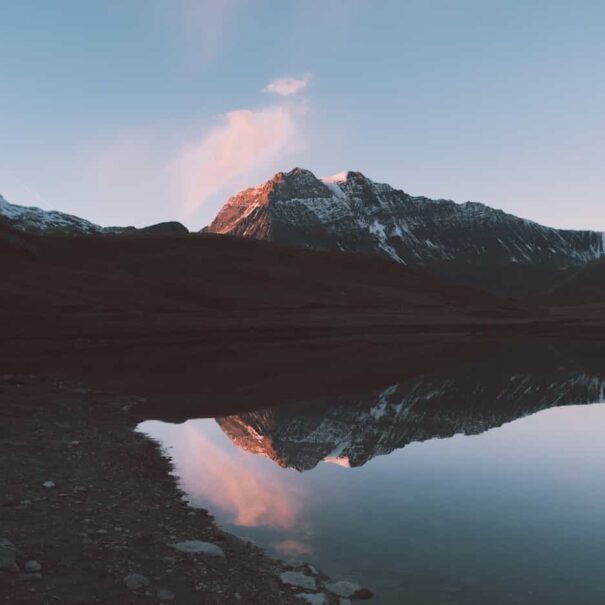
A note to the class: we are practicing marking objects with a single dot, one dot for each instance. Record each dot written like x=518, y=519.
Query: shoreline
x=113, y=512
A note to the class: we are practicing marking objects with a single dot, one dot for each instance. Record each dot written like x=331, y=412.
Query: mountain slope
x=349, y=212
x=36, y=220
x=15, y=242
x=584, y=285
x=30, y=219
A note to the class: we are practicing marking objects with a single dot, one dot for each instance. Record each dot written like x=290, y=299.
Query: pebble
x=343, y=588
x=197, y=546
x=134, y=581
x=165, y=595
x=8, y=554
x=32, y=566
x=314, y=598
x=298, y=579
x=49, y=484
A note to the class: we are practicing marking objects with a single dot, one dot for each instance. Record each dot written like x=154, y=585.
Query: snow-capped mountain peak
x=352, y=213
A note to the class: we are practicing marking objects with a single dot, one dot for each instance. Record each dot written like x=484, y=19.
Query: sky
x=140, y=111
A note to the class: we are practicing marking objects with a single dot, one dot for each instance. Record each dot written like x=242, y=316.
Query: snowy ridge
x=350, y=212
x=36, y=220
x=30, y=219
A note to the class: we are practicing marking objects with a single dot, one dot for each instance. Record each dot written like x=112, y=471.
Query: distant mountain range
x=467, y=243
x=30, y=219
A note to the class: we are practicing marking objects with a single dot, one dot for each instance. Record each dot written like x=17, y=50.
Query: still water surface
x=464, y=492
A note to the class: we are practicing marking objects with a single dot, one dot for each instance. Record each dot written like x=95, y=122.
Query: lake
x=455, y=488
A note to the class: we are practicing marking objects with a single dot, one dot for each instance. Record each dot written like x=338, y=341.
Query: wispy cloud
x=194, y=173
x=243, y=145
x=287, y=85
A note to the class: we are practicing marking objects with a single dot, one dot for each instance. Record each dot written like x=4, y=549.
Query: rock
x=298, y=579
x=8, y=554
x=317, y=598
x=134, y=581
x=101, y=532
x=197, y=546
x=165, y=595
x=363, y=594
x=49, y=484
x=343, y=588
x=32, y=566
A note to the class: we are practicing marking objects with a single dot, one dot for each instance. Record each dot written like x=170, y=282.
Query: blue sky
x=132, y=112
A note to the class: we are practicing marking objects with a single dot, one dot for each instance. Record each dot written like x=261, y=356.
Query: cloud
x=287, y=85
x=246, y=488
x=243, y=145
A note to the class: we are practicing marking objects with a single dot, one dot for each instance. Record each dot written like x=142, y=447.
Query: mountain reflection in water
x=508, y=515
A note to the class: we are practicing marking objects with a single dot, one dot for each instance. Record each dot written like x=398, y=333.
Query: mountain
x=466, y=243
x=36, y=220
x=583, y=285
x=30, y=219
x=350, y=431
x=15, y=242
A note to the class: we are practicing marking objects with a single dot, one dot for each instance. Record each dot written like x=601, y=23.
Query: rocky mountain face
x=352, y=431
x=30, y=219
x=36, y=220
x=350, y=212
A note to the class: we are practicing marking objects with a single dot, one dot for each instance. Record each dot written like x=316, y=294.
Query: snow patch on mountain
x=352, y=213
x=35, y=220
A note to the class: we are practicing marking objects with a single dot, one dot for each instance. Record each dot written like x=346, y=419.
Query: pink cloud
x=242, y=146
x=287, y=85
x=251, y=494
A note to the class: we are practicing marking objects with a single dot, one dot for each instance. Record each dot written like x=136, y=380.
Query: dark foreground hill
x=163, y=315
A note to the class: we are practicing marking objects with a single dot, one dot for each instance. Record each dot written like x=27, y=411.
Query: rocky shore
x=89, y=513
